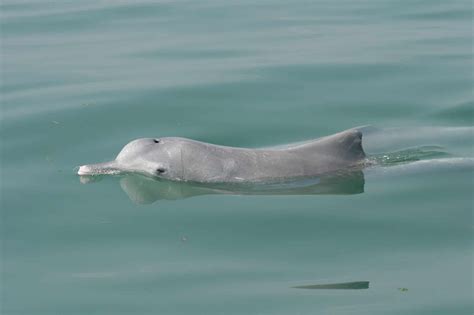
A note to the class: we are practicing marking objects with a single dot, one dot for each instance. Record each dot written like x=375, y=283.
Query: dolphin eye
x=156, y=141
x=160, y=170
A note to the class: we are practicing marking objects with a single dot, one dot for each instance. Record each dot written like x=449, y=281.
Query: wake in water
x=408, y=155
x=405, y=150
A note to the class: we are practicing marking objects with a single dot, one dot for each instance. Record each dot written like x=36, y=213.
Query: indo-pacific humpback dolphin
x=182, y=159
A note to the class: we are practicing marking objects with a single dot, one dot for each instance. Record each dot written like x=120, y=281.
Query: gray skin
x=183, y=159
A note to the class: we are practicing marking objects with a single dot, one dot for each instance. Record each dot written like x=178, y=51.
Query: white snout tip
x=84, y=170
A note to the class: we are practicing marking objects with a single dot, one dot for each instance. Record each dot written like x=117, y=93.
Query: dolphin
x=181, y=159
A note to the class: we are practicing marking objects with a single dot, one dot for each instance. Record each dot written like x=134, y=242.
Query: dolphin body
x=182, y=159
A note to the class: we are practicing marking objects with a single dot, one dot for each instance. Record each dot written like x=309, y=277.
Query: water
x=81, y=79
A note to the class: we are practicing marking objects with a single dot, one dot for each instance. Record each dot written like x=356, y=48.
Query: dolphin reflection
x=146, y=190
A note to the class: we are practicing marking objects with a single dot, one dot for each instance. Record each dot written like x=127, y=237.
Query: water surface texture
x=80, y=79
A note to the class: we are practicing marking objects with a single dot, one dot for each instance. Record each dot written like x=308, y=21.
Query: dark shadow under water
x=356, y=285
x=145, y=190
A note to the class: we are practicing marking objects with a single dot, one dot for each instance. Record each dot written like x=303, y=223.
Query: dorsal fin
x=345, y=145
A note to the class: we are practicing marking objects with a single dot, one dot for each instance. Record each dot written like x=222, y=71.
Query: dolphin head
x=149, y=156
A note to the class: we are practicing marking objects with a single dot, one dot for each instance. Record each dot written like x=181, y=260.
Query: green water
x=81, y=79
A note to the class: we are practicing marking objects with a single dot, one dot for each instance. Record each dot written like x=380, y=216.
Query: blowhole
x=156, y=141
x=160, y=170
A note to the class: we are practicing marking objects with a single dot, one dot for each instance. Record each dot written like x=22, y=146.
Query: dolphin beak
x=99, y=168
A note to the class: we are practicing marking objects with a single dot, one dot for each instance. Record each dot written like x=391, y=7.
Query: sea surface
x=80, y=79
